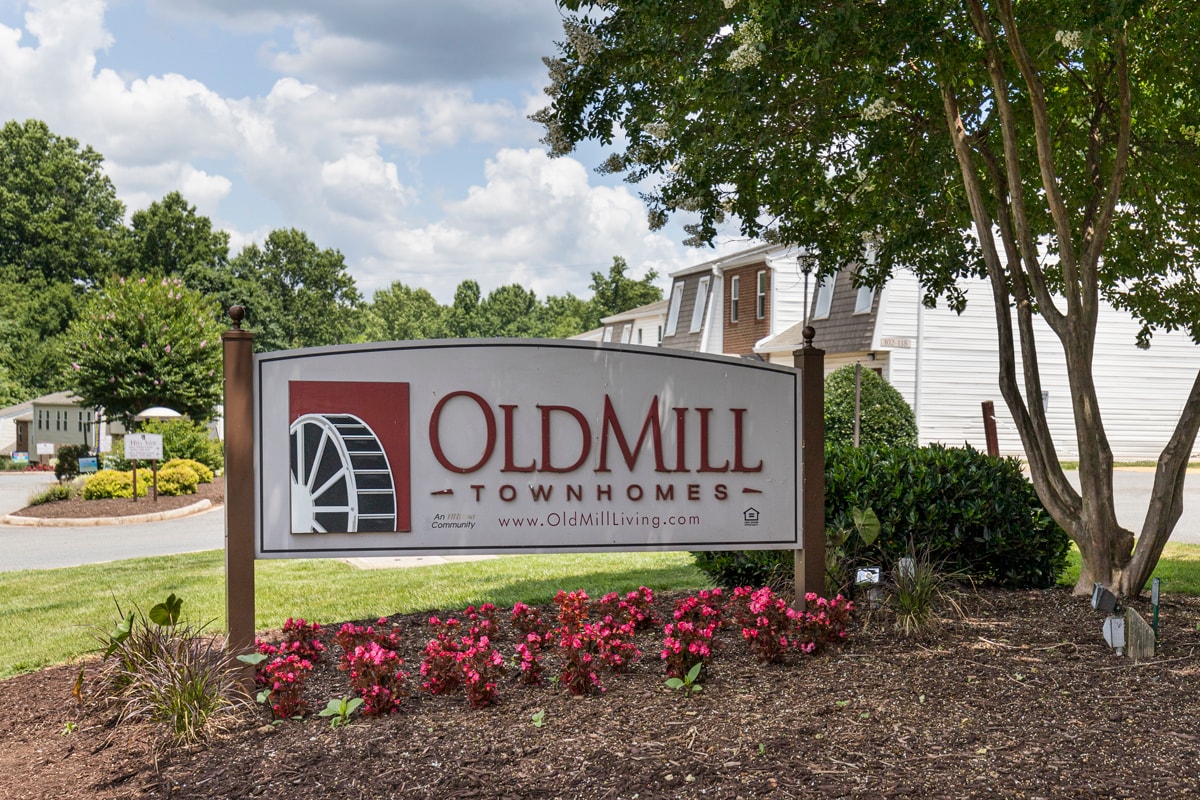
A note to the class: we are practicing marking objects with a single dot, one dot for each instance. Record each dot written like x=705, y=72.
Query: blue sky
x=391, y=130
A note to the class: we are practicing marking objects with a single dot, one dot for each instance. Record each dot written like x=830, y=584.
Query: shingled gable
x=844, y=330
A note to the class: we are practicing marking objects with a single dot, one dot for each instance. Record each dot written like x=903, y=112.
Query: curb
x=42, y=522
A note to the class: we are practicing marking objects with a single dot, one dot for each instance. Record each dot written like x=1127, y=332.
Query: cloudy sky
x=395, y=131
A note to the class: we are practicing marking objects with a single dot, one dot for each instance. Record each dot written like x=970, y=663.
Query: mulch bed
x=123, y=506
x=1019, y=699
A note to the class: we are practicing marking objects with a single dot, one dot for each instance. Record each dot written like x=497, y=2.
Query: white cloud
x=413, y=177
x=536, y=221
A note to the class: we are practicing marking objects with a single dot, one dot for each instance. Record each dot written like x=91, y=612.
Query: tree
x=59, y=214
x=169, y=239
x=614, y=293
x=1050, y=146
x=297, y=294
x=60, y=229
x=512, y=312
x=139, y=343
x=464, y=313
x=399, y=313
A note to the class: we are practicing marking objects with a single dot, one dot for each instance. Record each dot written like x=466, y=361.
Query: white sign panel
x=106, y=443
x=143, y=446
x=45, y=448
x=522, y=446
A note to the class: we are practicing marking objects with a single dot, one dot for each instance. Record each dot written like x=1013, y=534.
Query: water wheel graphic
x=341, y=480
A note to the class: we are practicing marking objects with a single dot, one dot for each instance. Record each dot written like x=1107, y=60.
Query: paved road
x=45, y=548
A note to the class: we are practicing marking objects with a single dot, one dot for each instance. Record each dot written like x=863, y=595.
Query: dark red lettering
x=435, y=433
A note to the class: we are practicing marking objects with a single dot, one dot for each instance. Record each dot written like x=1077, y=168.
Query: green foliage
x=689, y=684
x=339, y=709
x=177, y=480
x=203, y=473
x=185, y=439
x=1046, y=146
x=68, y=457
x=169, y=672
x=167, y=612
x=115, y=483
x=885, y=418
x=919, y=585
x=297, y=295
x=168, y=239
x=734, y=568
x=59, y=491
x=398, y=314
x=142, y=343
x=977, y=515
x=840, y=543
x=614, y=293
x=60, y=219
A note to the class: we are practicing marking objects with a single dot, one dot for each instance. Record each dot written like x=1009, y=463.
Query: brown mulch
x=1021, y=698
x=123, y=506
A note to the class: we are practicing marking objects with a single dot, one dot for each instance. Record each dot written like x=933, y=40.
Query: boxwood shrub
x=176, y=479
x=203, y=473
x=885, y=418
x=116, y=483
x=975, y=514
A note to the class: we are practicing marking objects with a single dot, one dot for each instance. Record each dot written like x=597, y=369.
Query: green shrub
x=116, y=483
x=67, y=465
x=158, y=668
x=59, y=491
x=182, y=439
x=885, y=419
x=973, y=514
x=176, y=480
x=202, y=471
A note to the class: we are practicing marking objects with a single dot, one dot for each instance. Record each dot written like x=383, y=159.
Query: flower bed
x=484, y=654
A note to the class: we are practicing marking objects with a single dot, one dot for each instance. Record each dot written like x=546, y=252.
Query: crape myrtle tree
x=1049, y=146
x=142, y=342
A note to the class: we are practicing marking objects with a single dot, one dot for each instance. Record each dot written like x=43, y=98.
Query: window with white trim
x=607, y=333
x=824, y=297
x=673, y=311
x=866, y=297
x=735, y=284
x=626, y=333
x=698, y=309
x=760, y=296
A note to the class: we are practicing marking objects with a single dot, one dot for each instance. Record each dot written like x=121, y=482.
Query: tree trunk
x=1166, y=498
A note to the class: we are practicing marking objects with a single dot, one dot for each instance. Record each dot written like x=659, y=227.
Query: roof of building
x=648, y=310
x=66, y=398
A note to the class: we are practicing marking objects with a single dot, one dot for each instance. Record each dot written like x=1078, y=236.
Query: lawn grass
x=51, y=616
x=1179, y=569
